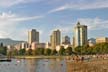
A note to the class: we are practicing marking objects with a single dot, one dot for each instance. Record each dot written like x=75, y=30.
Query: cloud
x=67, y=29
x=92, y=23
x=58, y=9
x=9, y=3
x=3, y=34
x=9, y=24
x=13, y=17
x=26, y=18
x=95, y=23
x=82, y=5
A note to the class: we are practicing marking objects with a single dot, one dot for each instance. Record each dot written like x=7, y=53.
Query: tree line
x=101, y=48
x=41, y=51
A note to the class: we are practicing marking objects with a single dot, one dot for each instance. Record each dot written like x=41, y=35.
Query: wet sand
x=99, y=65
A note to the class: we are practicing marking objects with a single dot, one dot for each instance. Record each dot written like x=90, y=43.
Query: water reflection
x=34, y=65
x=45, y=65
x=57, y=65
x=31, y=65
x=53, y=65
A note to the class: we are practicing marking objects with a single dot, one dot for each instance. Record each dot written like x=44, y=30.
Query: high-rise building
x=55, y=39
x=33, y=36
x=66, y=40
x=80, y=35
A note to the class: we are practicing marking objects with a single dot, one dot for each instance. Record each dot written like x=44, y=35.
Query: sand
x=99, y=65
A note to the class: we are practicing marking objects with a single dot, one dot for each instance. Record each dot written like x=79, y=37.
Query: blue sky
x=19, y=16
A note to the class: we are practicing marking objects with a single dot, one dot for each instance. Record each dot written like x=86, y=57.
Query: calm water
x=34, y=65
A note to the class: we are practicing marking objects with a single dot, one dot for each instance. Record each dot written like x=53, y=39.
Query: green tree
x=29, y=52
x=22, y=51
x=1, y=45
x=47, y=51
x=35, y=52
x=68, y=51
x=62, y=51
x=78, y=50
x=101, y=48
x=40, y=51
x=3, y=50
x=54, y=52
x=14, y=52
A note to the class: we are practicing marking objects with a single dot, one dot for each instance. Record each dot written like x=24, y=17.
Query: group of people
x=81, y=58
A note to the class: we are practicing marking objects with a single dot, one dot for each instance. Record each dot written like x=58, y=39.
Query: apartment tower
x=33, y=36
x=55, y=39
x=80, y=35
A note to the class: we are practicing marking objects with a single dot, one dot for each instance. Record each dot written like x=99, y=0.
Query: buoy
x=18, y=61
x=61, y=64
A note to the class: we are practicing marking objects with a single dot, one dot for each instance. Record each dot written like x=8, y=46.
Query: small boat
x=5, y=60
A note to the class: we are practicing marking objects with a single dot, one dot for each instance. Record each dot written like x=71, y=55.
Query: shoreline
x=41, y=57
x=70, y=58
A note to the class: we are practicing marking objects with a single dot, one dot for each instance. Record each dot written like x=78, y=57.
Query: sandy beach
x=99, y=65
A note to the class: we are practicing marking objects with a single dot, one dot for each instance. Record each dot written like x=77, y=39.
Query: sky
x=19, y=16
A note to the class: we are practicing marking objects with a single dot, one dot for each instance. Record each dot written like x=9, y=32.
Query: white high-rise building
x=80, y=35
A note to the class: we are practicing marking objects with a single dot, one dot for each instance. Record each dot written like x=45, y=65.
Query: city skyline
x=17, y=17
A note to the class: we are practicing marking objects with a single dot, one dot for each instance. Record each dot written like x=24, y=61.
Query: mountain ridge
x=9, y=41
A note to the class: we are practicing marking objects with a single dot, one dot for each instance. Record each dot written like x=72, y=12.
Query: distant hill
x=8, y=41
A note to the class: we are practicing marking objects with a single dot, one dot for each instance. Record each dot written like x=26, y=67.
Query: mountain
x=8, y=41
